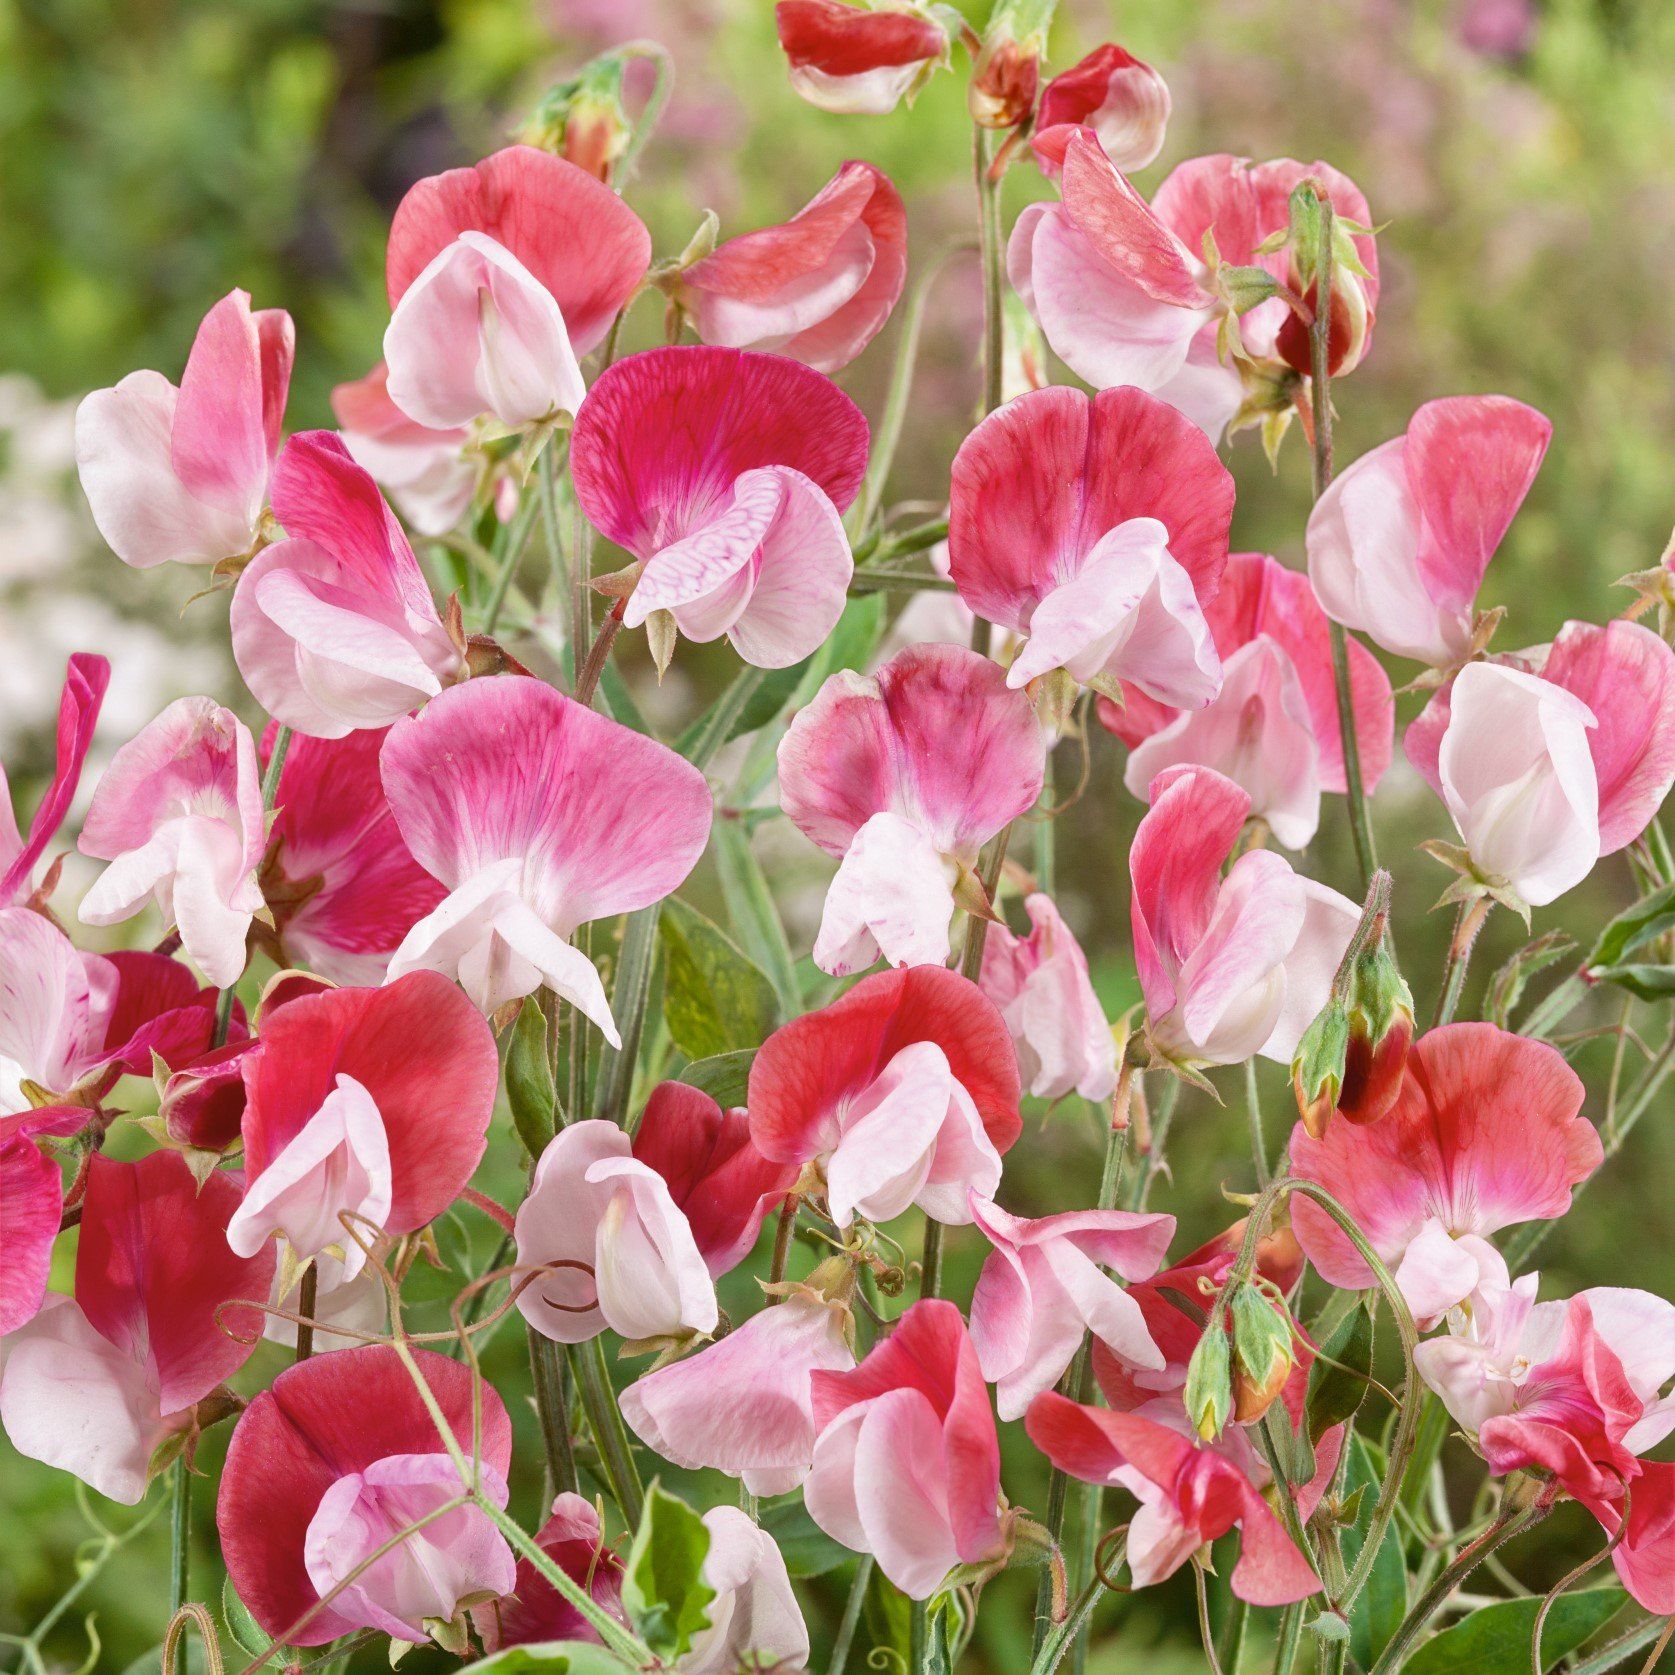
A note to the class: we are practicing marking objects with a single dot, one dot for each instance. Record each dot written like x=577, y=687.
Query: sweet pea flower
x=183, y=474
x=1123, y=100
x=95, y=1384
x=537, y=814
x=1399, y=542
x=1098, y=528
x=1485, y=1133
x=370, y=1101
x=339, y=878
x=855, y=61
x=179, y=816
x=1273, y=728
x=85, y=681
x=500, y=276
x=902, y=1091
x=534, y=1611
x=425, y=472
x=820, y=287
x=725, y=473
x=1040, y=983
x=907, y=1465
x=865, y=772
x=330, y=1462
x=1043, y=1287
x=754, y=1619
x=334, y=627
x=31, y=1207
x=1235, y=966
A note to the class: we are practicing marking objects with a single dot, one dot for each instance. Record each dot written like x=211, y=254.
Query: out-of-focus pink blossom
x=820, y=287
x=1122, y=99
x=725, y=473
x=864, y=771
x=183, y=474
x=1234, y=966
x=178, y=814
x=424, y=471
x=538, y=815
x=855, y=60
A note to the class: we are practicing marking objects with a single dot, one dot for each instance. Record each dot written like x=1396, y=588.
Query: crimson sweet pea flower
x=31, y=1207
x=332, y=1461
x=858, y=61
x=95, y=1384
x=902, y=1091
x=724, y=472
x=865, y=773
x=907, y=1464
x=534, y=1610
x=820, y=287
x=1122, y=99
x=183, y=474
x=424, y=471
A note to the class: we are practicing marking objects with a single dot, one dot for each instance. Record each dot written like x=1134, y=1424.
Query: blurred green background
x=1518, y=153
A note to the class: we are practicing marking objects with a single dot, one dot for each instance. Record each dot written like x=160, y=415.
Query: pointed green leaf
x=725, y=1078
x=1336, y=1391
x=1495, y=1639
x=715, y=999
x=529, y=1079
x=754, y=916
x=663, y=1589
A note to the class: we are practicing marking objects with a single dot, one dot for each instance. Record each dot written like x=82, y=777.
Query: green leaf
x=1634, y=928
x=1381, y=1605
x=246, y=1632
x=755, y=918
x=1495, y=1639
x=619, y=700
x=663, y=1589
x=529, y=1079
x=1507, y=986
x=1335, y=1394
x=1648, y=982
x=725, y=1078
x=886, y=1616
x=805, y=1547
x=715, y=1000
x=550, y=1657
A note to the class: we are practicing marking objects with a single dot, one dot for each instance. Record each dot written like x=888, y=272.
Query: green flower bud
x=1262, y=1348
x=1209, y=1384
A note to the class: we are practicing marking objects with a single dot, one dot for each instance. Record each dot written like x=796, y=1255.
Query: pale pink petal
x=1435, y=1273
x=754, y=1617
x=884, y=1155
x=901, y=1492
x=648, y=1271
x=1125, y=102
x=55, y=1003
x=1639, y=1329
x=829, y=1490
x=964, y=1163
x=1329, y=921
x=890, y=898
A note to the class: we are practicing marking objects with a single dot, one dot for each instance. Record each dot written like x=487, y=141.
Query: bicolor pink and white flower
x=1228, y=966
x=425, y=472
x=500, y=277
x=537, y=815
x=1044, y=1286
x=865, y=772
x=1485, y=1133
x=331, y=1461
x=1097, y=527
x=907, y=1465
x=1398, y=544
x=818, y=288
x=855, y=60
x=178, y=815
x=97, y=1383
x=183, y=474
x=1122, y=99
x=725, y=473
x=902, y=1091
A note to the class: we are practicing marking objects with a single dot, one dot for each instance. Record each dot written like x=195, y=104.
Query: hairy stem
x=1467, y=923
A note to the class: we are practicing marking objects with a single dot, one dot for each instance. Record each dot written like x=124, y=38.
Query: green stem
x=878, y=578
x=581, y=603
x=1046, y=831
x=628, y=1005
x=989, y=864
x=1290, y=1640
x=546, y=1365
x=180, y=1535
x=1467, y=923
x=276, y=766
x=1151, y=1160
x=307, y=1302
x=988, y=244
x=1064, y=1634
x=517, y=542
x=930, y=1265
x=609, y=1434
x=782, y=1240
x=851, y=1616
x=1253, y=1115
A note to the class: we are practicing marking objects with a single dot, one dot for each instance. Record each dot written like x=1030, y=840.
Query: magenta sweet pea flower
x=855, y=60
x=724, y=472
x=1399, y=542
x=183, y=474
x=1098, y=528
x=1122, y=99
x=907, y=1465
x=425, y=472
x=1485, y=1133
x=538, y=815
x=31, y=1207
x=865, y=773
x=95, y=1384
x=500, y=276
x=1235, y=966
x=178, y=814
x=902, y=1091
x=820, y=287
x=534, y=1610
x=328, y=1464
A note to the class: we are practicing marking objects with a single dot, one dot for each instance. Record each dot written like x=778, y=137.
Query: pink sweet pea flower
x=1043, y=1287
x=341, y=882
x=820, y=287
x=375, y=1101
x=1040, y=983
x=865, y=773
x=1234, y=966
x=1399, y=543
x=334, y=627
x=183, y=474
x=534, y=1611
x=1097, y=527
x=95, y=1384
x=1273, y=728
x=31, y=1206
x=902, y=1091
x=754, y=1619
x=1123, y=100
x=724, y=472
x=742, y=1405
x=1188, y=1496
x=178, y=814
x=424, y=471
x=856, y=61
x=329, y=1463
x=1485, y=1133
x=538, y=815
x=907, y=1465
x=85, y=681
x=500, y=276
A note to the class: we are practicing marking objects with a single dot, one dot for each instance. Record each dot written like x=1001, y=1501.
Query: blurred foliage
x=159, y=152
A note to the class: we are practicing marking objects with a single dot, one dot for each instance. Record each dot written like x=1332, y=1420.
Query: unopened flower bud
x=1317, y=1067
x=1380, y=1033
x=1008, y=69
x=1349, y=328
x=1262, y=1352
x=1209, y=1384
x=583, y=120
